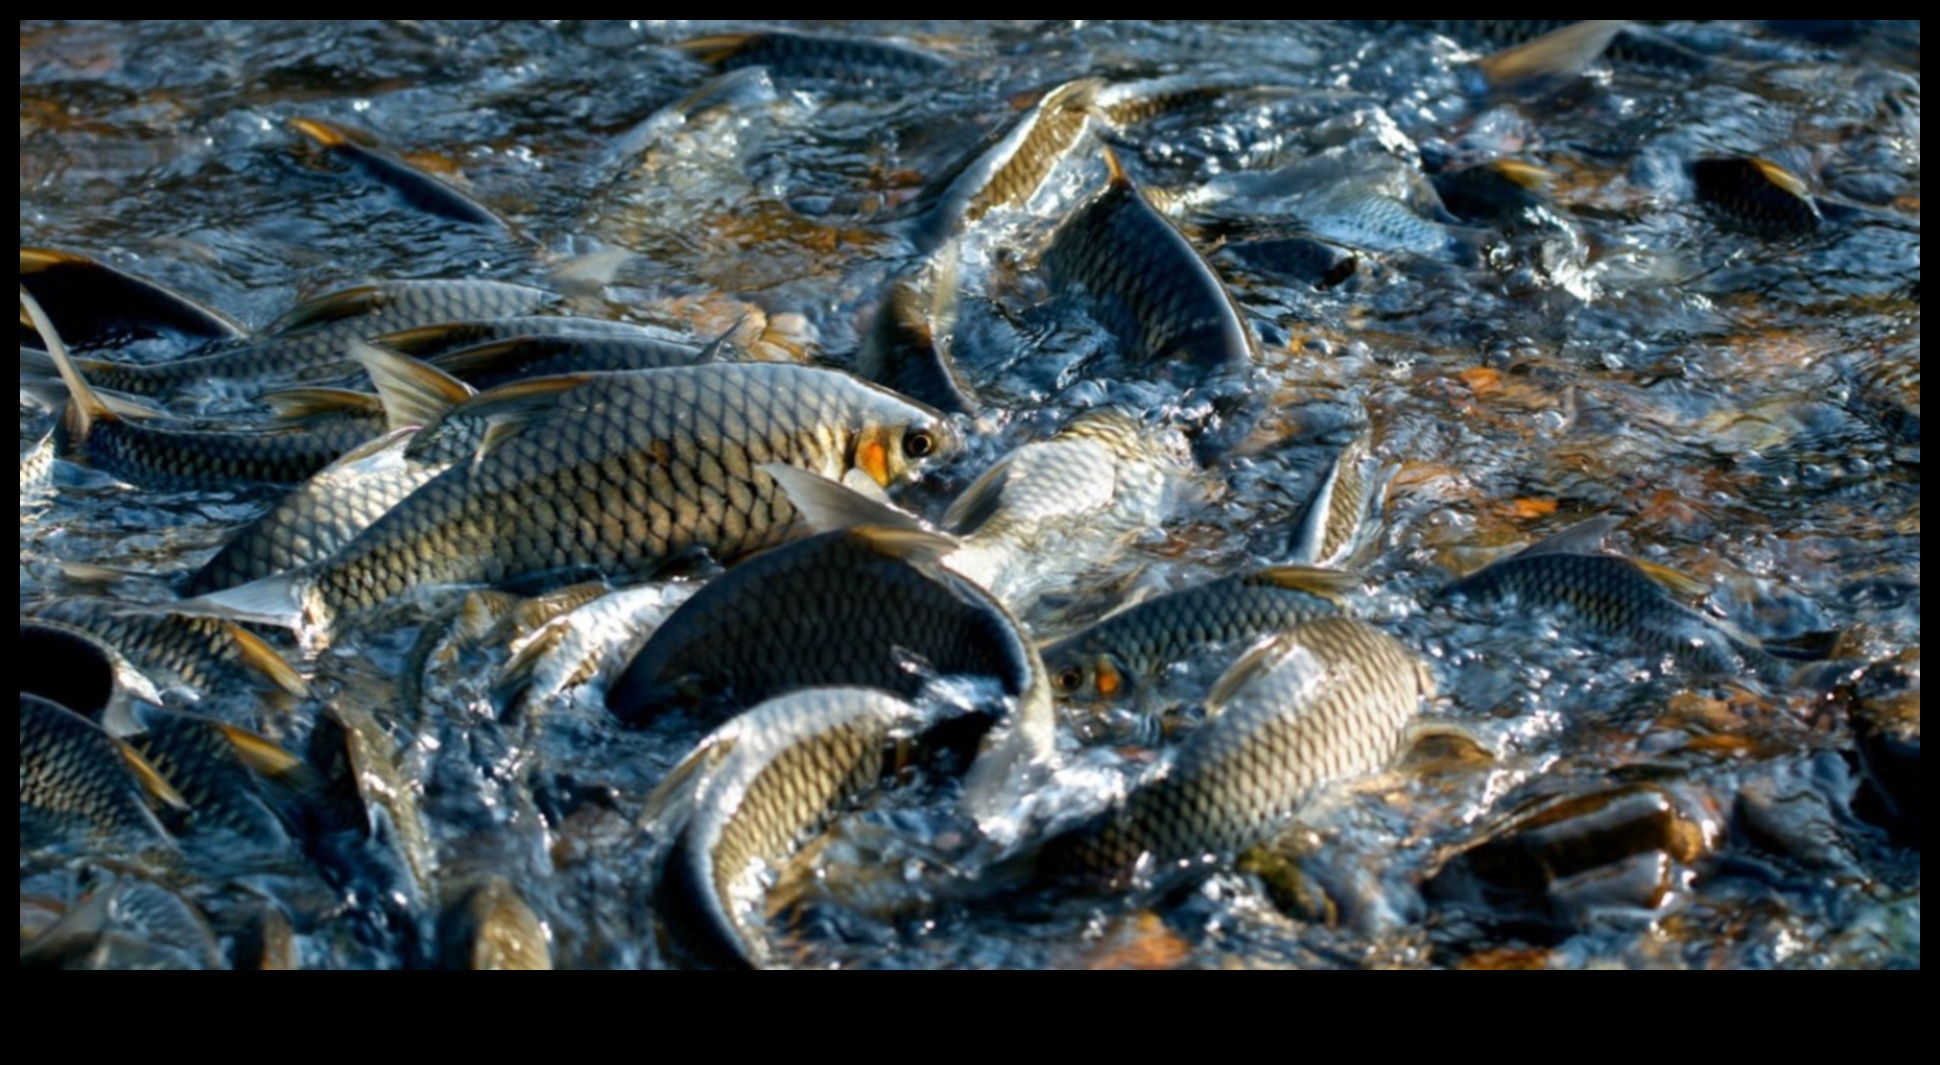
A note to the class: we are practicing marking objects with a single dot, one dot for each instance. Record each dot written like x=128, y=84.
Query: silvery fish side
x=1327, y=700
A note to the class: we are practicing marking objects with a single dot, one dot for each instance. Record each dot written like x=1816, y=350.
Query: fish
x=615, y=477
x=98, y=306
x=486, y=366
x=216, y=767
x=1368, y=202
x=1337, y=518
x=308, y=343
x=76, y=780
x=489, y=926
x=1503, y=193
x=576, y=647
x=442, y=338
x=1616, y=596
x=128, y=923
x=418, y=189
x=1116, y=657
x=909, y=345
x=864, y=607
x=200, y=653
x=71, y=666
x=1757, y=194
x=37, y=463
x=1010, y=168
x=126, y=443
x=1325, y=701
x=1147, y=284
x=820, y=61
x=1629, y=45
x=1052, y=509
x=751, y=792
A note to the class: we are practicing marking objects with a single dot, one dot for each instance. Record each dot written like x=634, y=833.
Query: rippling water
x=1749, y=401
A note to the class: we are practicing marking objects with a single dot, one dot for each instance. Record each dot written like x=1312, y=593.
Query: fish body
x=130, y=923
x=37, y=463
x=200, y=653
x=853, y=607
x=488, y=365
x=1327, y=700
x=820, y=61
x=1147, y=284
x=76, y=780
x=748, y=796
x=909, y=345
x=1337, y=517
x=1503, y=193
x=204, y=760
x=1115, y=657
x=309, y=343
x=576, y=647
x=621, y=475
x=1757, y=194
x=98, y=306
x=1615, y=596
x=1054, y=508
x=164, y=455
x=490, y=927
x=418, y=189
x=1008, y=171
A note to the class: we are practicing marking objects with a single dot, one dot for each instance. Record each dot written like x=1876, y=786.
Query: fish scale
x=626, y=473
x=759, y=786
x=1327, y=700
x=73, y=777
x=172, y=456
x=203, y=653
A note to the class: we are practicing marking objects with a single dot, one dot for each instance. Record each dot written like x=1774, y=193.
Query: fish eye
x=1069, y=680
x=919, y=443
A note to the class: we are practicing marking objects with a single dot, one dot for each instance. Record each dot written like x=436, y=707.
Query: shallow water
x=1743, y=398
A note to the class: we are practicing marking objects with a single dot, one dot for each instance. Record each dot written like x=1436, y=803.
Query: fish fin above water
x=261, y=657
x=1115, y=171
x=825, y=505
x=326, y=134
x=413, y=392
x=1563, y=53
x=1329, y=584
x=153, y=783
x=417, y=188
x=277, y=600
x=673, y=800
x=508, y=409
x=263, y=756
x=304, y=404
x=1583, y=538
x=1679, y=584
x=519, y=670
x=716, y=48
x=910, y=545
x=1523, y=175
x=1254, y=664
x=331, y=307
x=1781, y=177
x=979, y=502
x=589, y=274
x=84, y=407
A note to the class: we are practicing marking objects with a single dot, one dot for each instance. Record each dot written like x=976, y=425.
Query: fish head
x=1092, y=676
x=892, y=451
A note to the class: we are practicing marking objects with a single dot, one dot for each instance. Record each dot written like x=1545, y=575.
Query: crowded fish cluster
x=1387, y=494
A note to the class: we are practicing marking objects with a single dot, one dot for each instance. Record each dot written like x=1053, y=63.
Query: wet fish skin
x=1051, y=509
x=203, y=654
x=489, y=365
x=1757, y=194
x=37, y=463
x=128, y=924
x=199, y=757
x=1327, y=700
x=627, y=472
x=1008, y=170
x=1149, y=285
x=74, y=778
x=309, y=342
x=1339, y=511
x=575, y=648
x=96, y=305
x=849, y=607
x=821, y=61
x=490, y=927
x=748, y=795
x=908, y=347
x=1113, y=658
x=164, y=455
x=1613, y=595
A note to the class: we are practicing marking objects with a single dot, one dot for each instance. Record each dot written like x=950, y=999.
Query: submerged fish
x=1503, y=193
x=418, y=189
x=1327, y=700
x=37, y=463
x=309, y=343
x=1756, y=193
x=1146, y=283
x=1367, y=201
x=128, y=924
x=617, y=477
x=747, y=796
x=1115, y=657
x=1617, y=596
x=820, y=61
x=866, y=607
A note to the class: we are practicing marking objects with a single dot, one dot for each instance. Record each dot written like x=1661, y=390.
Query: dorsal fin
x=413, y=393
x=910, y=545
x=509, y=408
x=84, y=408
x=1523, y=175
x=716, y=48
x=1255, y=663
x=327, y=134
x=304, y=404
x=261, y=755
x=333, y=307
x=1115, y=171
x=1678, y=583
x=1782, y=177
x=979, y=502
x=671, y=803
x=261, y=657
